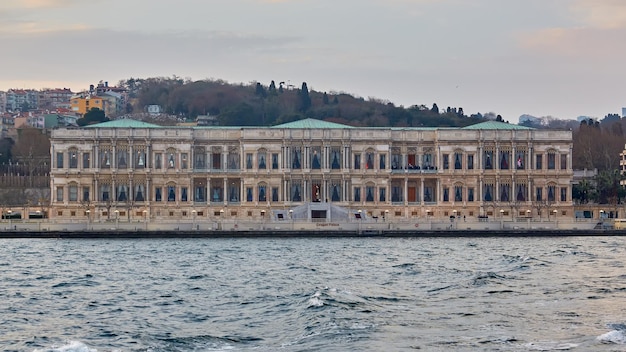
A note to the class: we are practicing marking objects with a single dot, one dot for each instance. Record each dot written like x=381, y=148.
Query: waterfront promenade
x=44, y=228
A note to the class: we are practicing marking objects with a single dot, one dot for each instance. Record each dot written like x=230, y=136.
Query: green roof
x=312, y=124
x=496, y=125
x=124, y=123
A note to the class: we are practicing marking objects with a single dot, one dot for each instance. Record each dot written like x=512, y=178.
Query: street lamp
x=40, y=218
x=221, y=219
x=145, y=219
x=360, y=219
x=291, y=217
x=10, y=216
x=193, y=222
x=555, y=219
x=528, y=218
x=502, y=219
x=87, y=212
x=386, y=215
x=601, y=214
x=263, y=219
x=428, y=215
x=117, y=219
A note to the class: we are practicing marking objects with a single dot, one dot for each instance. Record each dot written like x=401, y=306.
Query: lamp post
x=528, y=218
x=145, y=219
x=10, y=216
x=221, y=219
x=556, y=224
x=453, y=218
x=360, y=220
x=291, y=218
x=428, y=215
x=193, y=221
x=502, y=219
x=39, y=218
x=263, y=219
x=88, y=212
x=386, y=215
x=117, y=219
x=601, y=214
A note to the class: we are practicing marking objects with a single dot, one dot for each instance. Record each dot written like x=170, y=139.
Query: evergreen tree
x=325, y=99
x=435, y=108
x=93, y=116
x=260, y=90
x=335, y=100
x=305, y=99
x=272, y=89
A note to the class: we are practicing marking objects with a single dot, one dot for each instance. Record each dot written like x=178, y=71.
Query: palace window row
x=121, y=158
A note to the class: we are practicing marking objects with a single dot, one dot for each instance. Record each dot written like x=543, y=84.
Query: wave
x=70, y=346
x=616, y=336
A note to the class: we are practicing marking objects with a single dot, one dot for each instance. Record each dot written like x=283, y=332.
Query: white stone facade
x=174, y=173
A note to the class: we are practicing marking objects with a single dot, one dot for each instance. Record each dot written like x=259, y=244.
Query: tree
x=325, y=99
x=305, y=99
x=435, y=108
x=272, y=89
x=92, y=116
x=260, y=90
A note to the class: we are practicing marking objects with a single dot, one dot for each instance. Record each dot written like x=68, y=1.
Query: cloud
x=598, y=33
x=601, y=13
x=34, y=4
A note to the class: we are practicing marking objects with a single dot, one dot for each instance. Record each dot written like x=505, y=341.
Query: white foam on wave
x=315, y=300
x=70, y=346
x=615, y=336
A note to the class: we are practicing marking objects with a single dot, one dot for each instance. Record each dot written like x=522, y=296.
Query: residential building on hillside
x=3, y=102
x=55, y=98
x=137, y=170
x=17, y=99
x=80, y=104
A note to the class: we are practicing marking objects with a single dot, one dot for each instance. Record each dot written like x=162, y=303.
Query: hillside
x=257, y=104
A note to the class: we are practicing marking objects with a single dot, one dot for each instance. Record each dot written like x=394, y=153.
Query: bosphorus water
x=314, y=294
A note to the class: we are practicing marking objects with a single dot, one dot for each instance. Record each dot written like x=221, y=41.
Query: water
x=371, y=294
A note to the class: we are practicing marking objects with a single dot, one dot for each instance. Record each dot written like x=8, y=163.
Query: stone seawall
x=301, y=234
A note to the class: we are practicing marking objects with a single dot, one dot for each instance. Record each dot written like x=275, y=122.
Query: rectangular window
x=357, y=161
x=262, y=194
x=563, y=161
x=262, y=163
x=563, y=194
x=248, y=161
x=357, y=194
x=538, y=162
x=551, y=193
x=458, y=193
x=73, y=160
x=274, y=194
x=59, y=160
x=382, y=194
x=383, y=159
x=86, y=161
x=85, y=194
x=470, y=162
x=59, y=194
x=249, y=194
x=217, y=161
x=274, y=161
x=446, y=194
x=470, y=194
x=446, y=161
x=183, y=161
x=171, y=193
x=157, y=194
x=183, y=194
x=551, y=161
x=158, y=160
x=369, y=193
x=73, y=193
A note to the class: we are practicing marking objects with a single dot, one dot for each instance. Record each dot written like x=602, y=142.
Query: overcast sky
x=560, y=58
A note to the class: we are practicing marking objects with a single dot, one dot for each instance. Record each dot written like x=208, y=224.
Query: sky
x=559, y=58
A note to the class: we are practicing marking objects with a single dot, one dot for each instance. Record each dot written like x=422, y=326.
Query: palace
x=138, y=172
